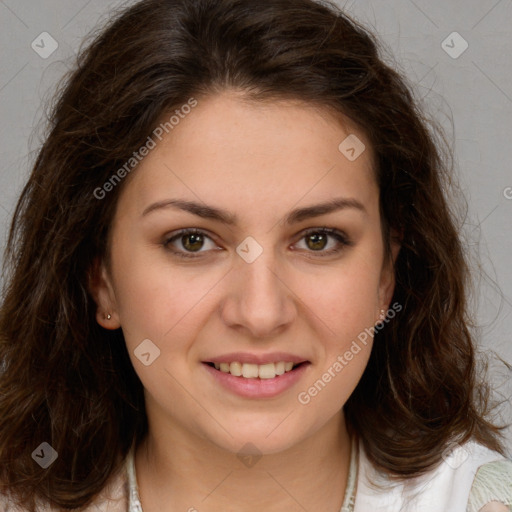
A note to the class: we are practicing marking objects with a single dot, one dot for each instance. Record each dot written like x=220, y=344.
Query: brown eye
x=187, y=242
x=192, y=242
x=317, y=239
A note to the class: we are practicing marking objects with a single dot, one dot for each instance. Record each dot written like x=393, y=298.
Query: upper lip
x=246, y=357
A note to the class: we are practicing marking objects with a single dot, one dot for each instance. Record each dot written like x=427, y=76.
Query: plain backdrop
x=456, y=54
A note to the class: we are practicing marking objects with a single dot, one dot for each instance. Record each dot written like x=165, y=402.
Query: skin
x=494, y=506
x=258, y=161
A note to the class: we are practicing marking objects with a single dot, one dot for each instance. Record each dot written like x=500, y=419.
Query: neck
x=181, y=471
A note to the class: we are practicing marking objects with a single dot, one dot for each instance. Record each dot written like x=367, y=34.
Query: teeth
x=253, y=371
x=267, y=371
x=250, y=371
x=280, y=368
x=235, y=369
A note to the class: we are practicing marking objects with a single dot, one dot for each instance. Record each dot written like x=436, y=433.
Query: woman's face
x=266, y=287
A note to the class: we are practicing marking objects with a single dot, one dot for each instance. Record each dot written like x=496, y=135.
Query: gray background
x=470, y=94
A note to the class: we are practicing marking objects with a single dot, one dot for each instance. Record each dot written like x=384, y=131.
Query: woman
x=234, y=278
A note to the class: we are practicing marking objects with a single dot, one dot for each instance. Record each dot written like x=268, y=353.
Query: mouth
x=248, y=379
x=257, y=371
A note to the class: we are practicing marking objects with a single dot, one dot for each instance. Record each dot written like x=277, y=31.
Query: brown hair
x=69, y=382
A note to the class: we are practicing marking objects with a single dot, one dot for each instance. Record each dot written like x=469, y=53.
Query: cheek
x=146, y=303
x=346, y=309
x=159, y=301
x=345, y=299
x=329, y=389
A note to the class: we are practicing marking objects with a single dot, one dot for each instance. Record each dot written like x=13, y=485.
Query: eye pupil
x=195, y=239
x=317, y=238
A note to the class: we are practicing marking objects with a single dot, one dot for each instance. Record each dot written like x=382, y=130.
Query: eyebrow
x=225, y=217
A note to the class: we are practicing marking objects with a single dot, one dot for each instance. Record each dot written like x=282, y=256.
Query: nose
x=259, y=300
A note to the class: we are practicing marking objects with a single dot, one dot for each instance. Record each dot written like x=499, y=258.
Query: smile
x=255, y=371
x=250, y=380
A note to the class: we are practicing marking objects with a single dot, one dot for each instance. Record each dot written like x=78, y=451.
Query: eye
x=317, y=239
x=192, y=240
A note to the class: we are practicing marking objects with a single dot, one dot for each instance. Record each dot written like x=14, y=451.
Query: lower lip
x=257, y=388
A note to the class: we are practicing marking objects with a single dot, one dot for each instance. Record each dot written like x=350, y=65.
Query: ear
x=387, y=277
x=102, y=291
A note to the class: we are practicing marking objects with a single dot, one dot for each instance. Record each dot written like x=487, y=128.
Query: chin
x=256, y=442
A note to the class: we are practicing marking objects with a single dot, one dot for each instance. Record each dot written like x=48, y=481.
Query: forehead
x=254, y=155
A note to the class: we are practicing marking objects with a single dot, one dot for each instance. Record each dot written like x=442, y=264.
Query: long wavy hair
x=67, y=381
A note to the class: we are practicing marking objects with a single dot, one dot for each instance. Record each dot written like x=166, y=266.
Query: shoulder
x=113, y=497
x=446, y=487
x=492, y=483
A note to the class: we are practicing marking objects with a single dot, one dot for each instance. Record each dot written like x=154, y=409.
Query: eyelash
x=342, y=239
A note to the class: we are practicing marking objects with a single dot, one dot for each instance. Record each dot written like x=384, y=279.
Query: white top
x=468, y=478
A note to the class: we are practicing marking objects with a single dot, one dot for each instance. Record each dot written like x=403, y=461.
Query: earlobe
x=101, y=289
x=107, y=320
